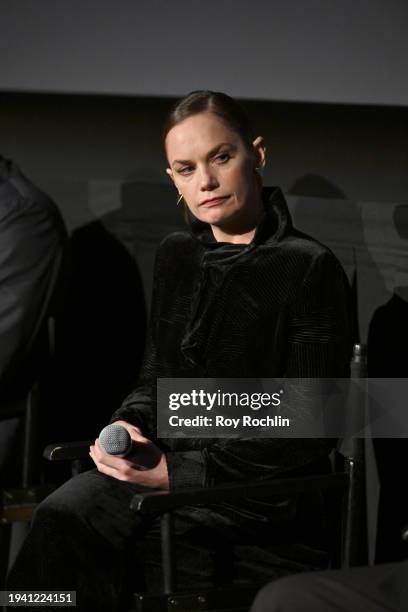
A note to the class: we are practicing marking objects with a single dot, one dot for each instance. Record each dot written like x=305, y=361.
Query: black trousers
x=381, y=588
x=80, y=540
x=84, y=538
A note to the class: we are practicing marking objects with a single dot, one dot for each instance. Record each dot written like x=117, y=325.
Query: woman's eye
x=222, y=158
x=185, y=170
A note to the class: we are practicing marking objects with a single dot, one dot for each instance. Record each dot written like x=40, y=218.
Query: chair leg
x=355, y=533
x=30, y=471
x=168, y=554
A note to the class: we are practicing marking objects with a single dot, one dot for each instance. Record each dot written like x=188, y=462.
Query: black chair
x=347, y=528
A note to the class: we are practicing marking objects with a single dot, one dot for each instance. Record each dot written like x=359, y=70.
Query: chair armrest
x=67, y=451
x=164, y=501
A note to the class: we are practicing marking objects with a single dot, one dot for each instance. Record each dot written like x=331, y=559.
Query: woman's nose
x=208, y=179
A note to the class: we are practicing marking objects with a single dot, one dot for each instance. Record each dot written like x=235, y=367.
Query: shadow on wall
x=387, y=352
x=322, y=210
x=388, y=333
x=372, y=252
x=148, y=214
x=100, y=335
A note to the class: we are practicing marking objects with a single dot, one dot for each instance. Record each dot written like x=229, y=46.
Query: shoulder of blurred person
x=32, y=247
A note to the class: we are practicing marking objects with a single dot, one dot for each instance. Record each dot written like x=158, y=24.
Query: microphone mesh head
x=115, y=440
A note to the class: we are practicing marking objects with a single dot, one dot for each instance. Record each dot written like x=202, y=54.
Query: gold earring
x=179, y=199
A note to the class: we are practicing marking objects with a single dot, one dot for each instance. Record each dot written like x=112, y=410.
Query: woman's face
x=214, y=171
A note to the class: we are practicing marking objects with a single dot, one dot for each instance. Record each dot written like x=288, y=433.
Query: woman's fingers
x=131, y=428
x=102, y=458
x=108, y=464
x=148, y=465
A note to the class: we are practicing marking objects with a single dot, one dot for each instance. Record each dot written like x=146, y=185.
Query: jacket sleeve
x=318, y=345
x=30, y=247
x=139, y=406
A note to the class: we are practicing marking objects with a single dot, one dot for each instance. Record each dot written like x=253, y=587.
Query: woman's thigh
x=96, y=503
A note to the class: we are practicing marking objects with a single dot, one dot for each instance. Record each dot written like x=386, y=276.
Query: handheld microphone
x=115, y=440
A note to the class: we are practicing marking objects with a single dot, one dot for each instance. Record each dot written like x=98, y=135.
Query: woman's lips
x=214, y=202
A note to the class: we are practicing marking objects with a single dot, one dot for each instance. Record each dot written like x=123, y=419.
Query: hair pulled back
x=218, y=103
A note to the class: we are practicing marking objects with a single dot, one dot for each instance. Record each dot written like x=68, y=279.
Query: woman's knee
x=72, y=499
x=51, y=511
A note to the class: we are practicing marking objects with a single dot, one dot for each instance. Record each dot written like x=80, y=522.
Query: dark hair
x=225, y=107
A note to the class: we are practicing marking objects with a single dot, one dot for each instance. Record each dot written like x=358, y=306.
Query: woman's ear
x=169, y=172
x=259, y=150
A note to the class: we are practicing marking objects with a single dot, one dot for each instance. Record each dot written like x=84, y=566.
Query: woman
x=242, y=294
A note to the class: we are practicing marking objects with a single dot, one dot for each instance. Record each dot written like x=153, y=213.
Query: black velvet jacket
x=277, y=307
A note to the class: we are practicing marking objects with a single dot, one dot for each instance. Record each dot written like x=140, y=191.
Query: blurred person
x=380, y=588
x=32, y=244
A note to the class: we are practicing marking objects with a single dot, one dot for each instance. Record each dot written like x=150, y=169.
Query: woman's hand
x=147, y=467
x=131, y=428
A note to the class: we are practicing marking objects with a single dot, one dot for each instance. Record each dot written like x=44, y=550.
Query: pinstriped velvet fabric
x=276, y=307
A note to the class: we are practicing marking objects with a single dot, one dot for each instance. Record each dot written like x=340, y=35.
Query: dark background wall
x=343, y=168
x=363, y=149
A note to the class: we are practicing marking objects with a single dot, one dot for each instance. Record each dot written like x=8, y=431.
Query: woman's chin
x=215, y=217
